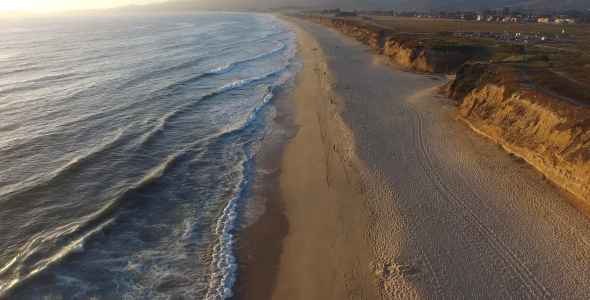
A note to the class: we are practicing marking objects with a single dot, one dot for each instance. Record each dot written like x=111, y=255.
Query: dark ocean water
x=128, y=149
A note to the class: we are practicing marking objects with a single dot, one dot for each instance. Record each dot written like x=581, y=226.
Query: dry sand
x=386, y=196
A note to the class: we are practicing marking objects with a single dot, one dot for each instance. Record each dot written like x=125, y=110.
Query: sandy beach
x=314, y=205
x=384, y=195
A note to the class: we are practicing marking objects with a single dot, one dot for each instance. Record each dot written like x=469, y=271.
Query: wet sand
x=383, y=194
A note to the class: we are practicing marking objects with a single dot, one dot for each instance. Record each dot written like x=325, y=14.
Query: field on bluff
x=560, y=66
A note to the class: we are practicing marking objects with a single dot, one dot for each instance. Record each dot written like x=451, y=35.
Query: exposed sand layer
x=549, y=133
x=385, y=193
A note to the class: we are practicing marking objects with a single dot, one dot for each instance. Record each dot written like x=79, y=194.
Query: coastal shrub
x=541, y=57
x=510, y=48
x=509, y=91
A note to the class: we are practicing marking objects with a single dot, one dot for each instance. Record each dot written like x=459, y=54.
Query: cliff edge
x=368, y=35
x=405, y=52
x=431, y=58
x=548, y=133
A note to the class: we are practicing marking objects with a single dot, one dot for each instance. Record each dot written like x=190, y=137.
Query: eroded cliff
x=431, y=58
x=550, y=134
x=368, y=35
x=403, y=51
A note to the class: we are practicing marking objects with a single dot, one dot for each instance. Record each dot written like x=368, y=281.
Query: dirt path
x=538, y=87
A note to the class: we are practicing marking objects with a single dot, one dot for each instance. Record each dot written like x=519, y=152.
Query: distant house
x=544, y=20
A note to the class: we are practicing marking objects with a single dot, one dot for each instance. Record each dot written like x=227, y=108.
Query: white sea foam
x=243, y=82
x=75, y=247
x=223, y=263
x=253, y=115
x=234, y=85
x=226, y=68
x=223, y=69
x=79, y=248
x=271, y=34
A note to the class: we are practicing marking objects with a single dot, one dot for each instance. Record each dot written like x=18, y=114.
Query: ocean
x=131, y=149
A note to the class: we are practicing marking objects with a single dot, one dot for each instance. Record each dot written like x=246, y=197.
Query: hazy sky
x=53, y=5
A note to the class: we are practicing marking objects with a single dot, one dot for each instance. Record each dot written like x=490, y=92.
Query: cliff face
x=425, y=58
x=404, y=53
x=550, y=134
x=370, y=36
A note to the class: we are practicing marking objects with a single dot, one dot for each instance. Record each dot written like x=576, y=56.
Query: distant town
x=504, y=15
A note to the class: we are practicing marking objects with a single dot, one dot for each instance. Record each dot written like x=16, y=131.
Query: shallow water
x=128, y=150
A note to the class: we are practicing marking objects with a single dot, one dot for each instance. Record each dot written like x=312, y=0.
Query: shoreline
x=285, y=255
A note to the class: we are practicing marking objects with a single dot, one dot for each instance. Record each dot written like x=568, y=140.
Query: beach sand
x=384, y=195
x=314, y=211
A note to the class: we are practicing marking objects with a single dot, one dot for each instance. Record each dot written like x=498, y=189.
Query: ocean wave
x=222, y=70
x=77, y=246
x=232, y=65
x=45, y=179
x=169, y=89
x=223, y=262
x=159, y=73
x=158, y=115
x=20, y=69
x=159, y=128
x=253, y=114
x=271, y=34
x=78, y=233
x=29, y=84
x=243, y=82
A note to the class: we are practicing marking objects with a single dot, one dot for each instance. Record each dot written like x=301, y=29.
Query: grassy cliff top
x=561, y=65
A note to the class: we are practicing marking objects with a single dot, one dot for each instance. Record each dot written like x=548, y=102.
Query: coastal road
x=453, y=215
